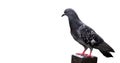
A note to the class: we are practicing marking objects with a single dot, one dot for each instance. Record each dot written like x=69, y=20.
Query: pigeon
x=85, y=35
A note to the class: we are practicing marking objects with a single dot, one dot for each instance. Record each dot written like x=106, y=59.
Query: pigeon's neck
x=74, y=23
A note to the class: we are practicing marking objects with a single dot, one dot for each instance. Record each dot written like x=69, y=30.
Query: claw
x=81, y=54
x=89, y=56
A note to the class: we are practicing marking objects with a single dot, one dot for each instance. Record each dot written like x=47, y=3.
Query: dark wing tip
x=106, y=53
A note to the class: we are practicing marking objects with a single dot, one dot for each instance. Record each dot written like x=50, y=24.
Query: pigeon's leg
x=83, y=53
x=90, y=53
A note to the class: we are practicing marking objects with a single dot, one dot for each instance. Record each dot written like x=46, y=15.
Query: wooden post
x=83, y=59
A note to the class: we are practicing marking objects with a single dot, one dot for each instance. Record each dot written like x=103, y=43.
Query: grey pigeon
x=85, y=35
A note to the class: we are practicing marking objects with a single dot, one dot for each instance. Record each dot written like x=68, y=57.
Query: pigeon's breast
x=74, y=35
x=77, y=37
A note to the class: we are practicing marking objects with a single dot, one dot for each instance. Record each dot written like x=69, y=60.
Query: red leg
x=83, y=53
x=90, y=54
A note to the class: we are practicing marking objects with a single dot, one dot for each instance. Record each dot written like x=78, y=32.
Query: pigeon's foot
x=82, y=54
x=89, y=56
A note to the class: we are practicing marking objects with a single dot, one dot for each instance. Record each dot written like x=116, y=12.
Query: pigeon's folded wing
x=89, y=36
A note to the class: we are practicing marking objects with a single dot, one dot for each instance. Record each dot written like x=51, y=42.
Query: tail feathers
x=106, y=53
x=104, y=47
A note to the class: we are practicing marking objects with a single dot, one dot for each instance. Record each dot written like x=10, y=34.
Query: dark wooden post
x=82, y=59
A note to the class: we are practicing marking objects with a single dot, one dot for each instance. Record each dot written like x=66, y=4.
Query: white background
x=33, y=31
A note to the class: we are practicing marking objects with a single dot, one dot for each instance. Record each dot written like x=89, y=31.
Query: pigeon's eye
x=65, y=12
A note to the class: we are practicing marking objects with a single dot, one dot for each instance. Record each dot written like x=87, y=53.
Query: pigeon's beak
x=63, y=15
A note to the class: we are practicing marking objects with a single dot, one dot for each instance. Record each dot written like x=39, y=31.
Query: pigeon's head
x=70, y=13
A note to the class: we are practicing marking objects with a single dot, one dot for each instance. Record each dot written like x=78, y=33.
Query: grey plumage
x=85, y=35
